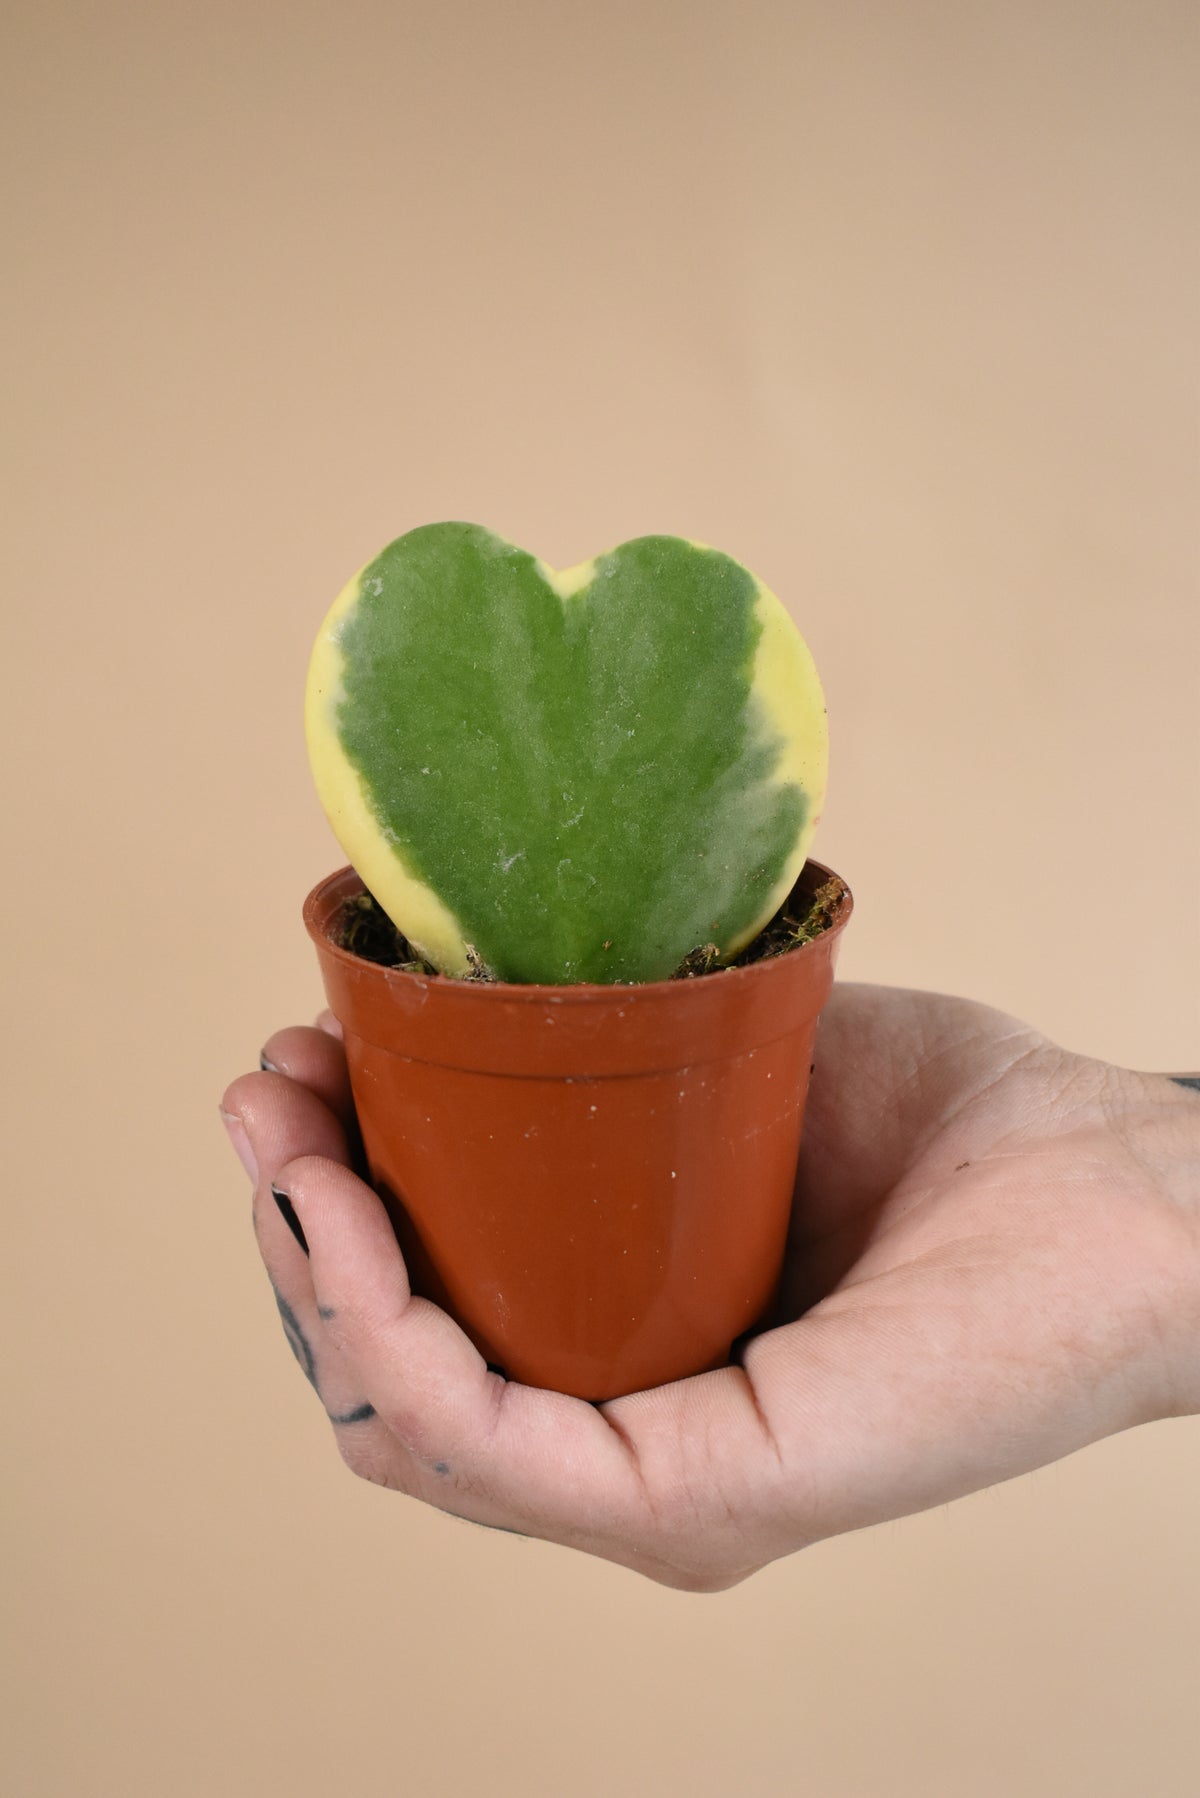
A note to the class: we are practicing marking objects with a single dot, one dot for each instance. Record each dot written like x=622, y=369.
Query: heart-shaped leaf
x=582, y=776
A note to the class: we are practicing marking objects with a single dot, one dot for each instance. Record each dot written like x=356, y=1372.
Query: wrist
x=1165, y=1138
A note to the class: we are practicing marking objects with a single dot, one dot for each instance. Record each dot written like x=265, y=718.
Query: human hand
x=994, y=1260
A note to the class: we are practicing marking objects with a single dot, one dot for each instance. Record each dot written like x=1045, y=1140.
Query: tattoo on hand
x=298, y=1342
x=302, y=1349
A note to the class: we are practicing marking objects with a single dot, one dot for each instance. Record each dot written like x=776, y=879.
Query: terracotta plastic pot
x=594, y=1180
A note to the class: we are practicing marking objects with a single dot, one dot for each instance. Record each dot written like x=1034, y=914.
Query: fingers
x=648, y=1481
x=426, y=1378
x=277, y=1119
x=651, y=1481
x=314, y=1057
x=329, y=1371
x=282, y=1119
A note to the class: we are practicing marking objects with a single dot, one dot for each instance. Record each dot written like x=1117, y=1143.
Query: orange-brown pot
x=594, y=1180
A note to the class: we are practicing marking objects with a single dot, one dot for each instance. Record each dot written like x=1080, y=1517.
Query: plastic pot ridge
x=595, y=1181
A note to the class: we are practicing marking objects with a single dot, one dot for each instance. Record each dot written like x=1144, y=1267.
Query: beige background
x=893, y=302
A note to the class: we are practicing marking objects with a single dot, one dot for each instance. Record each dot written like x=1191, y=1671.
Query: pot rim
x=580, y=993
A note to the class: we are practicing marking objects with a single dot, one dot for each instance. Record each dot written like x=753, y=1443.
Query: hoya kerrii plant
x=565, y=777
x=562, y=789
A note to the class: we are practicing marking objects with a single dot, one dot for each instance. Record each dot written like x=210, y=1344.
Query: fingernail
x=236, y=1131
x=268, y=1067
x=288, y=1214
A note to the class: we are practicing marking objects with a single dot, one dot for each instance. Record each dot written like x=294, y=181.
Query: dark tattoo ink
x=302, y=1349
x=1191, y=1081
x=297, y=1341
x=442, y=1467
x=359, y=1414
x=326, y=1313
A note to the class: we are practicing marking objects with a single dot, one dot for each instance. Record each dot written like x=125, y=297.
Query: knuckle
x=702, y=1558
x=408, y=1425
x=369, y=1460
x=710, y=1578
x=358, y=1457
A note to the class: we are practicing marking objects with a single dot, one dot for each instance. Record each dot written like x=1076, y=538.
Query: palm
x=969, y=1207
x=909, y=1091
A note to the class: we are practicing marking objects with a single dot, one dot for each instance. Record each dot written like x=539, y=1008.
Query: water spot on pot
x=591, y=1108
x=672, y=1173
